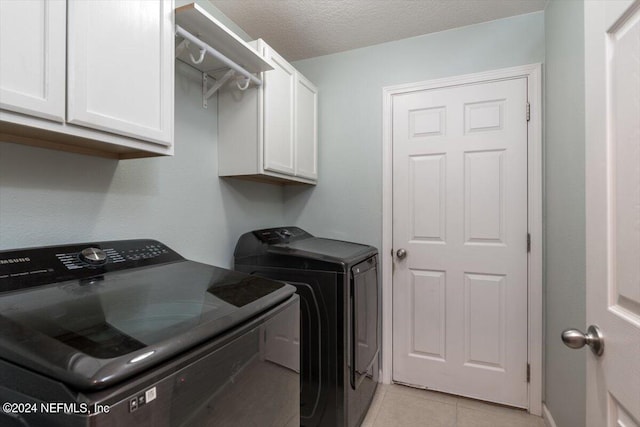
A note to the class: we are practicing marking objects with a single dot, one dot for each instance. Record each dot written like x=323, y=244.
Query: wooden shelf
x=201, y=24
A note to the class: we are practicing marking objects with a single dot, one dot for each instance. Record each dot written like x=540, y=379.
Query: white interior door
x=612, y=77
x=460, y=212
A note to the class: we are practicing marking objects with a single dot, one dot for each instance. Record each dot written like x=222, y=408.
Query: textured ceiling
x=300, y=29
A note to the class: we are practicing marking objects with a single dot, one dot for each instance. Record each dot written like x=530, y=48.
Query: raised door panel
x=427, y=189
x=428, y=315
x=121, y=67
x=279, y=96
x=484, y=198
x=485, y=321
x=306, y=128
x=32, y=48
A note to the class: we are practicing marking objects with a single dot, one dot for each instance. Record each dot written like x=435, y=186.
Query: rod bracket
x=208, y=92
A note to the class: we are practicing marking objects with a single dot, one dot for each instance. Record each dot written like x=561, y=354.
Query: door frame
x=533, y=73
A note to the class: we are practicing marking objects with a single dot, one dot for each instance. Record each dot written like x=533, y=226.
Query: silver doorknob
x=401, y=253
x=573, y=338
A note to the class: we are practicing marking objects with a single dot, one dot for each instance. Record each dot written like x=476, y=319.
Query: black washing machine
x=340, y=317
x=129, y=333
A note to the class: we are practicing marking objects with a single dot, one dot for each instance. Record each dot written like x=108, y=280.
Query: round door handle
x=574, y=338
x=401, y=253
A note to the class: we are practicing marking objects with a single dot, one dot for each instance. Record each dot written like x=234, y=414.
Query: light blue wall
x=346, y=203
x=564, y=209
x=50, y=197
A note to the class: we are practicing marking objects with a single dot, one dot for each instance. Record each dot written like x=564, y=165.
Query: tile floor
x=400, y=406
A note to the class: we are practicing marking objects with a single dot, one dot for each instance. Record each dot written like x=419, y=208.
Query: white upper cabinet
x=279, y=87
x=270, y=133
x=120, y=70
x=32, y=57
x=94, y=77
x=306, y=128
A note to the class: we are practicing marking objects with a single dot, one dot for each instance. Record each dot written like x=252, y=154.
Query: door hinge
x=528, y=111
x=528, y=373
x=528, y=242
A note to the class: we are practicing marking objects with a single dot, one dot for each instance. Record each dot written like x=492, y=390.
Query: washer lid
x=324, y=249
x=96, y=332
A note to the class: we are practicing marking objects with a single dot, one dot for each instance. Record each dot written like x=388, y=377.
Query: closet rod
x=193, y=39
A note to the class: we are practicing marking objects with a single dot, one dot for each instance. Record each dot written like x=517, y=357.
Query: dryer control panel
x=272, y=236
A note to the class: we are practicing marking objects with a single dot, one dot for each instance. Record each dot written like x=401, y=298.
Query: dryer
x=340, y=317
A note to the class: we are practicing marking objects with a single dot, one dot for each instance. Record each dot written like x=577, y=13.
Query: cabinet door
x=306, y=115
x=279, y=87
x=121, y=66
x=32, y=52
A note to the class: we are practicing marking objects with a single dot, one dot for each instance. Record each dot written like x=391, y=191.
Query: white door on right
x=460, y=213
x=612, y=81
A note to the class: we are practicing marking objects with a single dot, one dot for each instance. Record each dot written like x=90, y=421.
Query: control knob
x=93, y=256
x=285, y=233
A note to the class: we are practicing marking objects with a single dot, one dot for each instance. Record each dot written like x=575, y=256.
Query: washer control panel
x=116, y=254
x=36, y=266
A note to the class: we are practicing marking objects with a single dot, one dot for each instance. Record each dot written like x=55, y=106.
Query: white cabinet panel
x=120, y=67
x=306, y=139
x=32, y=47
x=270, y=133
x=90, y=77
x=279, y=115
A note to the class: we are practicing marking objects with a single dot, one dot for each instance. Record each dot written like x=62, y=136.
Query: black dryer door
x=364, y=318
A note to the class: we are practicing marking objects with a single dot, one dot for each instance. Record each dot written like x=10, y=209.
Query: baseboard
x=548, y=419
